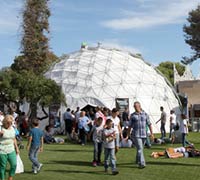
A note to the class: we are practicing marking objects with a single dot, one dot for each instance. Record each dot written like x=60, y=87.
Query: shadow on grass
x=132, y=165
x=80, y=172
x=28, y=172
x=73, y=163
x=127, y=165
x=154, y=148
x=171, y=163
x=70, y=150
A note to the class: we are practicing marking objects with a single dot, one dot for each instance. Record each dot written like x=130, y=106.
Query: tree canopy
x=166, y=68
x=192, y=35
x=25, y=80
x=35, y=55
x=27, y=86
x=8, y=93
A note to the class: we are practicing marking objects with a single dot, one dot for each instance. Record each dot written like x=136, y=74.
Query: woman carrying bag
x=8, y=148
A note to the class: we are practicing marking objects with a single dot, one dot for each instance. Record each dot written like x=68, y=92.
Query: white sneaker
x=35, y=171
x=39, y=168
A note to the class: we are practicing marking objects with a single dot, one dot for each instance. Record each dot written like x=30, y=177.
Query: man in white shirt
x=172, y=123
x=184, y=130
x=77, y=114
x=116, y=125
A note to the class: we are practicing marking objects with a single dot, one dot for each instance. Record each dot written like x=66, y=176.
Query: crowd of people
x=106, y=128
x=129, y=130
x=108, y=131
x=182, y=126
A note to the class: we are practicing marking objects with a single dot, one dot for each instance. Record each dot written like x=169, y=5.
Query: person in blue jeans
x=184, y=130
x=35, y=145
x=96, y=132
x=138, y=122
x=109, y=147
x=163, y=119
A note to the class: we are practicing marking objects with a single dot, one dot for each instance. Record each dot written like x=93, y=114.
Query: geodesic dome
x=98, y=76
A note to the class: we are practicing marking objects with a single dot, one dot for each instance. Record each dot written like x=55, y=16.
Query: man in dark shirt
x=68, y=122
x=125, y=117
x=163, y=119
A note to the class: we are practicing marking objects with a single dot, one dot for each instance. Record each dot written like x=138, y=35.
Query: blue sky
x=150, y=27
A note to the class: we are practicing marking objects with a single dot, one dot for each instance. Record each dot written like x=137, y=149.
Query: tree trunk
x=33, y=108
x=46, y=114
x=33, y=114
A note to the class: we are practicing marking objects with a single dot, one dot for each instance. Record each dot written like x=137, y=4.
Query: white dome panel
x=97, y=76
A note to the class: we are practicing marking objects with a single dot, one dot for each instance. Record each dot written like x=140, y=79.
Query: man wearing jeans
x=163, y=119
x=138, y=122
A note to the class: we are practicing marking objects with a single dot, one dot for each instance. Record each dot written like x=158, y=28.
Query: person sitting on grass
x=158, y=141
x=109, y=147
x=124, y=143
x=49, y=138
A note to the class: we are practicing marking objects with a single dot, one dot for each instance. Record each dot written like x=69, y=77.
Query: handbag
x=20, y=165
x=86, y=128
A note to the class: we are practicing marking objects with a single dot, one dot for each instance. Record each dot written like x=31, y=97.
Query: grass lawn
x=72, y=161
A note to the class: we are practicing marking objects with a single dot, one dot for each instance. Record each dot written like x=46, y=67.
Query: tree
x=35, y=56
x=166, y=68
x=192, y=35
x=35, y=59
x=35, y=89
x=8, y=93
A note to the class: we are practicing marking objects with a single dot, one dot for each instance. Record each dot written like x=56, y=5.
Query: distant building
x=189, y=89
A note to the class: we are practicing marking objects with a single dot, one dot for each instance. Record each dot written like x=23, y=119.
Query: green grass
x=72, y=161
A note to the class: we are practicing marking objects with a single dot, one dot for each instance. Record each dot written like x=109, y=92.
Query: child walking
x=35, y=144
x=109, y=147
x=97, y=131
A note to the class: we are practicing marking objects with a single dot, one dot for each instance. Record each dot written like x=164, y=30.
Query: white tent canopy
x=97, y=76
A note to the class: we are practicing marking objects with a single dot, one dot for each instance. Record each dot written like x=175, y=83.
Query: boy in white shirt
x=116, y=125
x=109, y=147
